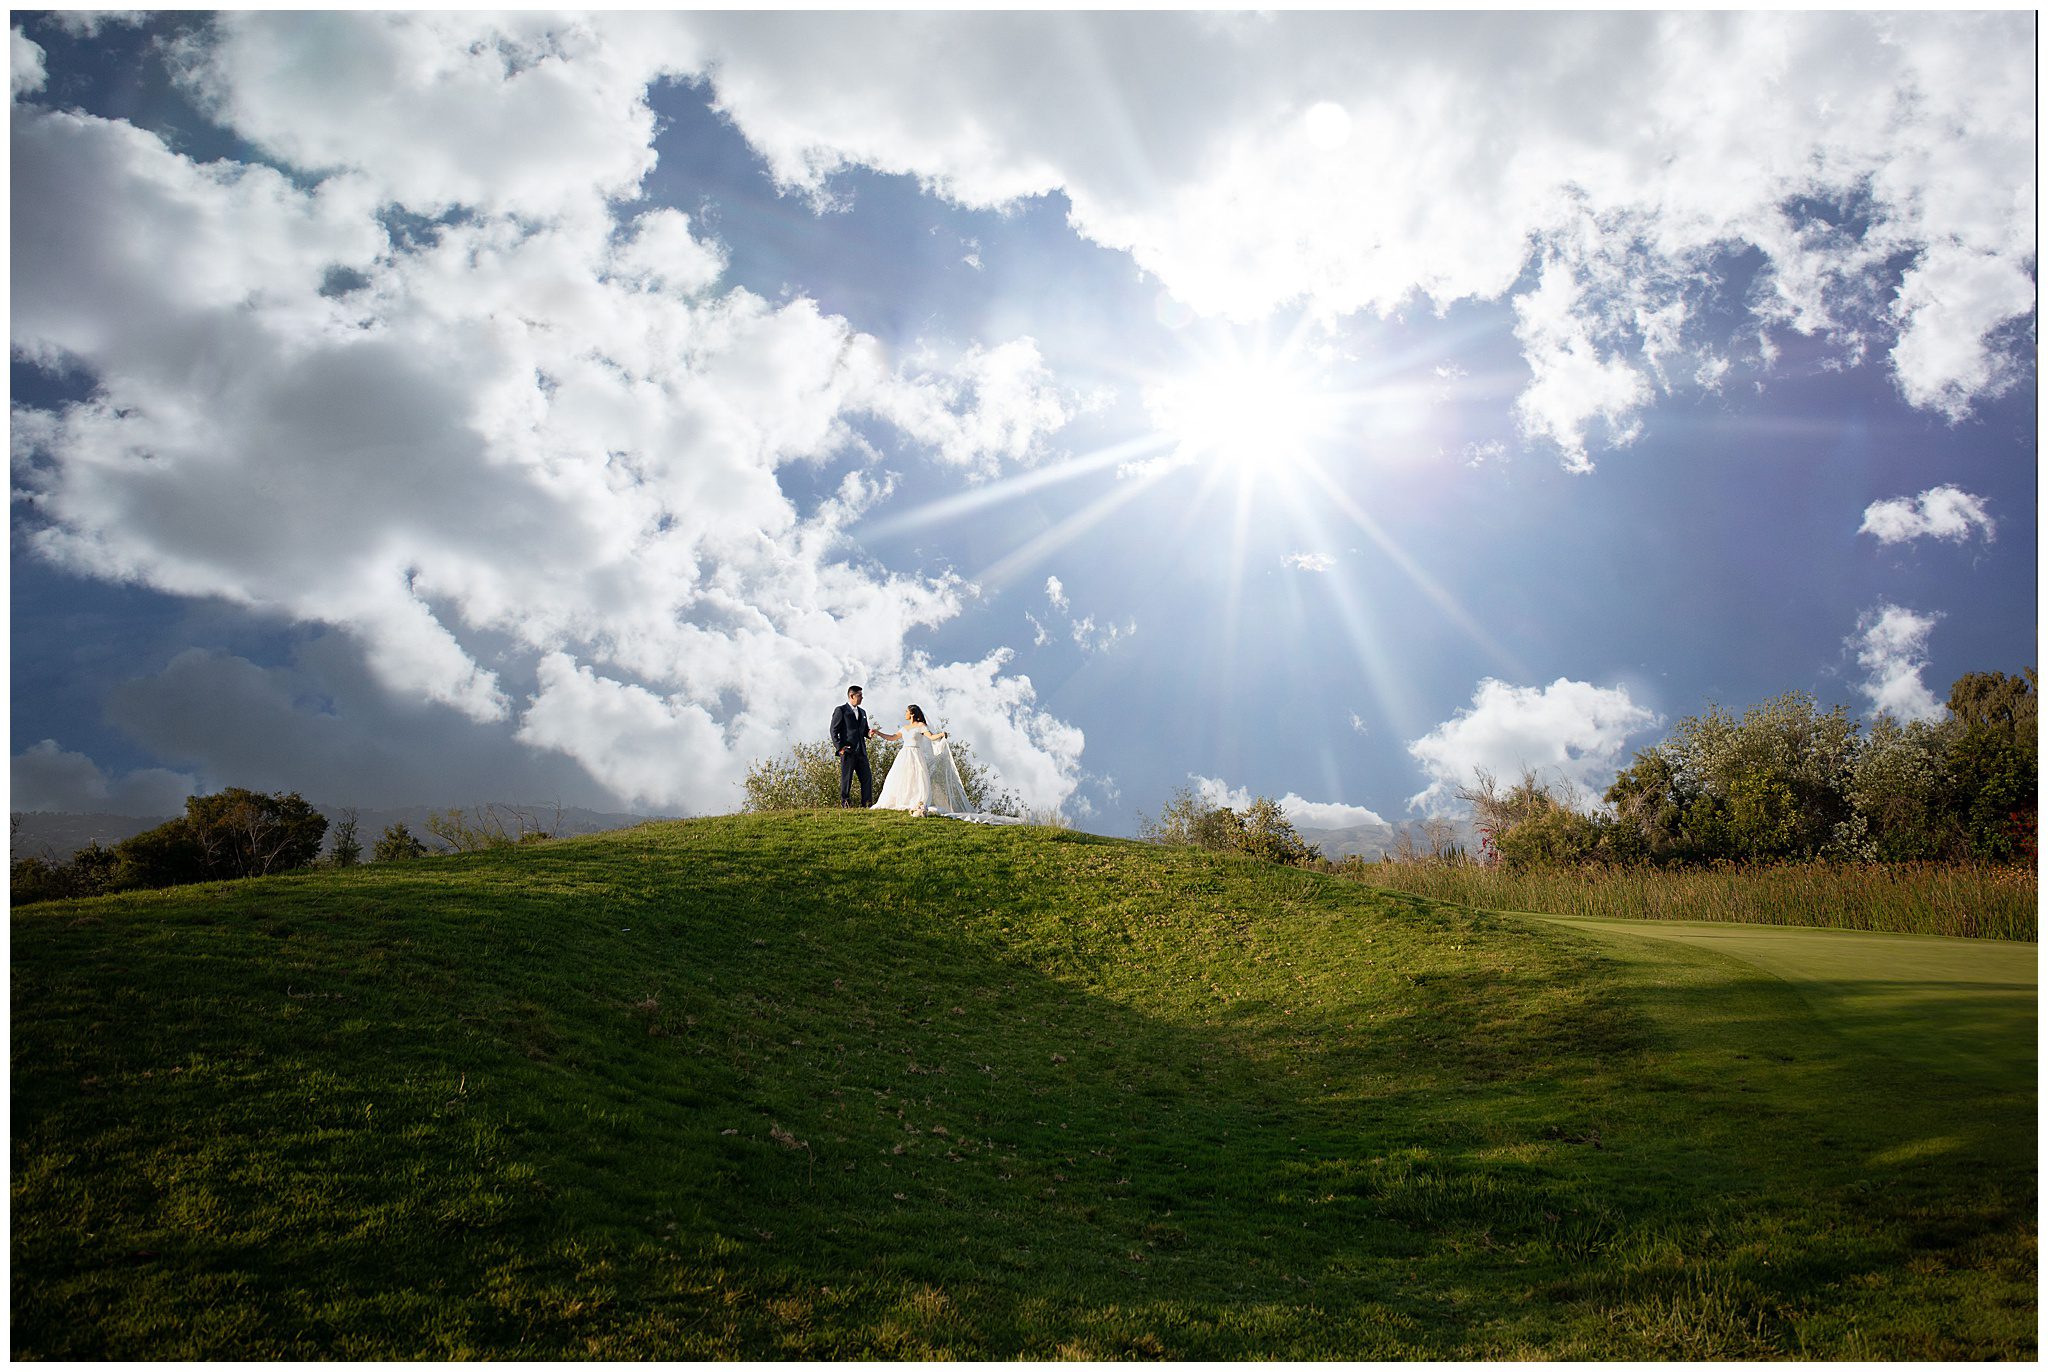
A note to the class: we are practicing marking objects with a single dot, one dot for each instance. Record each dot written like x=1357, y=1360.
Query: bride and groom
x=923, y=779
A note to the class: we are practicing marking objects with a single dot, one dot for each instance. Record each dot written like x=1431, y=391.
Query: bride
x=924, y=777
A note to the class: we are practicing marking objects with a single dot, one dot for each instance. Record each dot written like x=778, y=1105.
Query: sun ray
x=1341, y=500
x=1008, y=567
x=1010, y=488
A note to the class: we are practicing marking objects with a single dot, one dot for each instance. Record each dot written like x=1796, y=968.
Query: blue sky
x=1320, y=406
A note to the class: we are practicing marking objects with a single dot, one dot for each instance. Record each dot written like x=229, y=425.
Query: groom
x=850, y=735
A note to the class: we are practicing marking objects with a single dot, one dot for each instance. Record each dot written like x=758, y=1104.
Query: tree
x=1495, y=812
x=347, y=850
x=807, y=778
x=168, y=855
x=1994, y=762
x=1772, y=784
x=397, y=844
x=245, y=833
x=1898, y=793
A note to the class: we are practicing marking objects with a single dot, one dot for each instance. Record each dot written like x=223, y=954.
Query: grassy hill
x=863, y=1085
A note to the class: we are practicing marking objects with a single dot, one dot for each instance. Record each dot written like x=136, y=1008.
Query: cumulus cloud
x=1944, y=512
x=47, y=777
x=1891, y=644
x=1055, y=593
x=1569, y=731
x=519, y=113
x=1310, y=562
x=25, y=72
x=1303, y=813
x=523, y=458
x=988, y=407
x=1833, y=146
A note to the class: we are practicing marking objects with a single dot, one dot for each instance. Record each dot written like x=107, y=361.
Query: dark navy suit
x=850, y=739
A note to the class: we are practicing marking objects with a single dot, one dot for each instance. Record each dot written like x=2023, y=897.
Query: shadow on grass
x=752, y=1090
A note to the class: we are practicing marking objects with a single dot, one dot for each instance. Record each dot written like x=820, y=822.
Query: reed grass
x=1955, y=899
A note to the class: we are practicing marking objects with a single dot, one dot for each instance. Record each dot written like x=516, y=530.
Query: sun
x=1247, y=411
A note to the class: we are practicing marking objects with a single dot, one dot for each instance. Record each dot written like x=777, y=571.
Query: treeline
x=237, y=833
x=1788, y=782
x=1785, y=782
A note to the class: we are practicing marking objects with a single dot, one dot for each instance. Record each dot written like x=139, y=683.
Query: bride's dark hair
x=917, y=714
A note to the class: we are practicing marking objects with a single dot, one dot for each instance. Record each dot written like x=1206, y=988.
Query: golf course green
x=1948, y=1006
x=867, y=1086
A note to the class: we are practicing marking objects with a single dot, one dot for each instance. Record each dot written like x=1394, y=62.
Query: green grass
x=1957, y=900
x=858, y=1085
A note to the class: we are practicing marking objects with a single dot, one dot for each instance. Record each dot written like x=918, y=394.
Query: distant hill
x=1375, y=841
x=56, y=835
x=1369, y=841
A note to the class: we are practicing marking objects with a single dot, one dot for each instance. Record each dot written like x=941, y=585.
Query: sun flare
x=1250, y=413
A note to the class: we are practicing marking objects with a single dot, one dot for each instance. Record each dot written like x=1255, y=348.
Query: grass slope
x=863, y=1085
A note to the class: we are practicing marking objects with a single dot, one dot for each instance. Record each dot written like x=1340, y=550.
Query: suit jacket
x=849, y=727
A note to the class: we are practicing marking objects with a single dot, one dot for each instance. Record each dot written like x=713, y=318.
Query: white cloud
x=1088, y=633
x=1303, y=813
x=25, y=72
x=526, y=464
x=1310, y=562
x=47, y=777
x=1358, y=725
x=1573, y=383
x=985, y=408
x=666, y=255
x=1833, y=145
x=1945, y=512
x=1891, y=644
x=517, y=113
x=88, y=23
x=1094, y=638
x=1569, y=731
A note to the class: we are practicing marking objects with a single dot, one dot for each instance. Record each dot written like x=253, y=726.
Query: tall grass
x=1960, y=900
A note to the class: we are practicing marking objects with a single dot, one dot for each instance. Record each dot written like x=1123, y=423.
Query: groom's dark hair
x=852, y=689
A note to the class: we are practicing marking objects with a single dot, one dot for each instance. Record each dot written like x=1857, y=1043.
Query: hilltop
x=862, y=1085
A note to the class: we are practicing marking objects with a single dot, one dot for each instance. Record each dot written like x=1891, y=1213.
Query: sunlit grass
x=1958, y=900
x=859, y=1085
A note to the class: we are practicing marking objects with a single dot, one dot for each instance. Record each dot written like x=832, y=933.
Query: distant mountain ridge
x=57, y=835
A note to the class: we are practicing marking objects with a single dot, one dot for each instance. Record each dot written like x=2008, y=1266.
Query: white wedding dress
x=924, y=779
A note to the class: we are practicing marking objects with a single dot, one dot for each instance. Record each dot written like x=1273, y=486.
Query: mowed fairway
x=868, y=1086
x=1949, y=1007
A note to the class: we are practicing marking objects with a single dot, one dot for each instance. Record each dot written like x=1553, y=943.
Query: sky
x=447, y=408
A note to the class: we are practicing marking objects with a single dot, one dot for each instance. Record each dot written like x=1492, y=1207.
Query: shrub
x=397, y=844
x=1262, y=830
x=489, y=826
x=806, y=777
x=1556, y=836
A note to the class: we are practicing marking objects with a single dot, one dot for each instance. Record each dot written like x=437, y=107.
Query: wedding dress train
x=925, y=779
